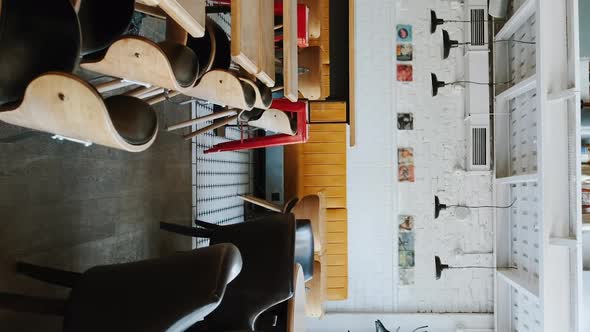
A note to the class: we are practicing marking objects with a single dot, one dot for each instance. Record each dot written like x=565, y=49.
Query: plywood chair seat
x=141, y=60
x=64, y=104
x=213, y=49
x=276, y=121
x=263, y=93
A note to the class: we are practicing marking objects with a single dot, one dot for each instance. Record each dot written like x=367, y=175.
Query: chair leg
x=185, y=230
x=49, y=275
x=32, y=304
x=206, y=225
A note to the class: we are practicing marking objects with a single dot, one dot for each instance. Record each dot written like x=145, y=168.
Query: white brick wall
x=375, y=198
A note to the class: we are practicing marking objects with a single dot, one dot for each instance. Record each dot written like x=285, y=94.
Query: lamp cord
x=485, y=206
x=482, y=267
x=479, y=83
x=460, y=21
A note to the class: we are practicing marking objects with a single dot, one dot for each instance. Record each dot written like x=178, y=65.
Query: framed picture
x=406, y=250
x=404, y=33
x=405, y=121
x=406, y=165
x=405, y=73
x=404, y=52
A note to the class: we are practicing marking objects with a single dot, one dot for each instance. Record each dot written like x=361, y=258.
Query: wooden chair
x=64, y=104
x=165, y=294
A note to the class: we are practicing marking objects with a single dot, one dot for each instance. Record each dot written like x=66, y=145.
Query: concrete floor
x=66, y=206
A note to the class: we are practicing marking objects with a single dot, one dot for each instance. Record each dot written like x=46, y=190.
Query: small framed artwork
x=404, y=33
x=404, y=52
x=405, y=121
x=406, y=250
x=406, y=165
x=405, y=73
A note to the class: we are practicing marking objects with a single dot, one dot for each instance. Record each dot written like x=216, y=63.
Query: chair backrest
x=103, y=21
x=166, y=294
x=267, y=246
x=304, y=250
x=35, y=37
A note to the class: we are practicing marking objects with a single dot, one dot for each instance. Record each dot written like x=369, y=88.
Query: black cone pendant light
x=436, y=84
x=438, y=206
x=448, y=43
x=435, y=21
x=439, y=267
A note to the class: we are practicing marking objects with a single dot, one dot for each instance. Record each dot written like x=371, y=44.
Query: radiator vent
x=477, y=27
x=479, y=146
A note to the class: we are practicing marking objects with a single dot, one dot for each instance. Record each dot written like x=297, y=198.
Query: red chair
x=298, y=109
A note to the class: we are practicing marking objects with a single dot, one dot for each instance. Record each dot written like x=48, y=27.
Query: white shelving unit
x=537, y=165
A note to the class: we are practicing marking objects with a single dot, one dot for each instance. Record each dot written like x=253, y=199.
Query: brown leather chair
x=166, y=294
x=268, y=250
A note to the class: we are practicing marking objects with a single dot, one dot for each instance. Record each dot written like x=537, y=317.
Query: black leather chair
x=102, y=22
x=268, y=250
x=35, y=37
x=166, y=294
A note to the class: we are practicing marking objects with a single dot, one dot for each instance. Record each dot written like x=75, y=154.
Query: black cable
x=482, y=267
x=500, y=41
x=485, y=206
x=480, y=83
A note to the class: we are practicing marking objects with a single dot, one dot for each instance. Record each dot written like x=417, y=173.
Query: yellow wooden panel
x=323, y=159
x=336, y=249
x=337, y=282
x=328, y=191
x=336, y=226
x=336, y=202
x=337, y=294
x=293, y=169
x=336, y=260
x=328, y=111
x=327, y=137
x=327, y=127
x=337, y=271
x=336, y=214
x=337, y=237
x=324, y=180
x=324, y=148
x=338, y=169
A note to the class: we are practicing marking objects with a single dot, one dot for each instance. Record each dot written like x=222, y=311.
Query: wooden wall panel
x=320, y=165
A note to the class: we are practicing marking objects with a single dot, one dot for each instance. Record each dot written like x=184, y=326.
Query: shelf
x=516, y=21
x=516, y=179
x=518, y=89
x=516, y=281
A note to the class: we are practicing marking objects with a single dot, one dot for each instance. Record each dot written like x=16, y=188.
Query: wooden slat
x=327, y=137
x=336, y=260
x=337, y=294
x=336, y=214
x=338, y=282
x=324, y=180
x=337, y=237
x=337, y=226
x=337, y=169
x=336, y=249
x=327, y=127
x=328, y=191
x=324, y=159
x=336, y=202
x=324, y=148
x=337, y=271
x=328, y=111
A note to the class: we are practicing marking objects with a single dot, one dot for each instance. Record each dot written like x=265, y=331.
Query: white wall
x=375, y=198
x=406, y=322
